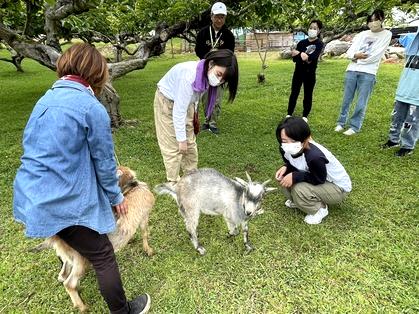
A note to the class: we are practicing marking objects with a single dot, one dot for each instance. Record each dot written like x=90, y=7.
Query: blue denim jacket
x=68, y=171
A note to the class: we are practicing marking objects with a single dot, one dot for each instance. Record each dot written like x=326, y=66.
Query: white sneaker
x=317, y=217
x=349, y=132
x=305, y=119
x=287, y=116
x=290, y=204
x=338, y=128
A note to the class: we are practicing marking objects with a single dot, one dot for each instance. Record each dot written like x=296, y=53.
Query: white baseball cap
x=219, y=8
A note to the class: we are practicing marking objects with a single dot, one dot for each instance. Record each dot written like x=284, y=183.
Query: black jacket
x=203, y=40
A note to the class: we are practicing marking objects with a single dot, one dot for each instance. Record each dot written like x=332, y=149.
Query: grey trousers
x=212, y=121
x=310, y=198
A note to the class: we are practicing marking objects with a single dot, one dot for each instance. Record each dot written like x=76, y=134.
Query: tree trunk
x=261, y=75
x=16, y=58
x=17, y=61
x=118, y=54
x=110, y=100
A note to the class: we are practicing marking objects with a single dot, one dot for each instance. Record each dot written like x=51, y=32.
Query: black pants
x=308, y=78
x=98, y=250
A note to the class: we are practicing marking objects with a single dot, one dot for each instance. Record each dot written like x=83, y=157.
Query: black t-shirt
x=313, y=50
x=203, y=40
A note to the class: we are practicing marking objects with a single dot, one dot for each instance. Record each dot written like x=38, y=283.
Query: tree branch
x=153, y=46
x=44, y=54
x=119, y=46
x=62, y=9
x=329, y=36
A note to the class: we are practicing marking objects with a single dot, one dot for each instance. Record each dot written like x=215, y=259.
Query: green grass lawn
x=362, y=259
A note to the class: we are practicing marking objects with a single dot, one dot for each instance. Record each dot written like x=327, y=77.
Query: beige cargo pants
x=166, y=137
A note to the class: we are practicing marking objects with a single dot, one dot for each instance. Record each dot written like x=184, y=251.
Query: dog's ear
x=133, y=173
x=119, y=173
x=241, y=181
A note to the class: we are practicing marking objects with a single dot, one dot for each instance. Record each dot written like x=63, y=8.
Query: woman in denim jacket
x=67, y=182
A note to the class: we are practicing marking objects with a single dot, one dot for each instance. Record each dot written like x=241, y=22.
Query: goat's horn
x=248, y=177
x=266, y=182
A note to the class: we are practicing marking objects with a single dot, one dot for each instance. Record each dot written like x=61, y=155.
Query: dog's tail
x=166, y=188
x=46, y=244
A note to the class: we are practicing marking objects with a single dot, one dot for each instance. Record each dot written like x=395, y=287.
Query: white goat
x=208, y=191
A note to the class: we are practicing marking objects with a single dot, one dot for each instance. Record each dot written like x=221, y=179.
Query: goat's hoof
x=232, y=234
x=201, y=250
x=249, y=247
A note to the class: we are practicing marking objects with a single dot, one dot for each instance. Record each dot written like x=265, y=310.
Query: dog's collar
x=129, y=186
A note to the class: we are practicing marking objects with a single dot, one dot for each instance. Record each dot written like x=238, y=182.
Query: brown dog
x=140, y=202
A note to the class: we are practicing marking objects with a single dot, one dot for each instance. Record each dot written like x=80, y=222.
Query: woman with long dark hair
x=176, y=101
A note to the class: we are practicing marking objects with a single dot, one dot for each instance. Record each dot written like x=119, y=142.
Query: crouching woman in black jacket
x=312, y=178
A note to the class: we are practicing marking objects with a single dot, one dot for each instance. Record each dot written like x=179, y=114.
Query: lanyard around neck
x=213, y=45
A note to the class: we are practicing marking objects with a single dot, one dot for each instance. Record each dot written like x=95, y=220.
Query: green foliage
x=362, y=259
x=151, y=12
x=12, y=13
x=336, y=15
x=138, y=17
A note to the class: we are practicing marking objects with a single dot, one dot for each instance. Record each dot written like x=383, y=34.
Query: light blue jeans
x=404, y=126
x=364, y=84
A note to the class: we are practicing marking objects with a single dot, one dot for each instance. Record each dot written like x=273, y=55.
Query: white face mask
x=374, y=26
x=292, y=148
x=312, y=33
x=213, y=79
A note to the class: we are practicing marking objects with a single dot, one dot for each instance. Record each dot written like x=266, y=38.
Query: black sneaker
x=403, y=152
x=140, y=305
x=389, y=144
x=214, y=129
x=205, y=126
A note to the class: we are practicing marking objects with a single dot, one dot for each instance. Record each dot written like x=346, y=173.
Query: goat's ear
x=241, y=182
x=267, y=190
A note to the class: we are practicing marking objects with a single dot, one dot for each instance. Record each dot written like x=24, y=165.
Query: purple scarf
x=200, y=85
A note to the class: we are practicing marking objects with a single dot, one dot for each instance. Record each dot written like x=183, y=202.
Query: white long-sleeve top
x=176, y=85
x=372, y=43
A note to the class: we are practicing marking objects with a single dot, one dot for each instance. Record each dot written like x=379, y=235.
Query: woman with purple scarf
x=176, y=100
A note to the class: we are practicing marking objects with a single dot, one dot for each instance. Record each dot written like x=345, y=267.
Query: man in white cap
x=212, y=37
